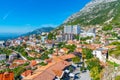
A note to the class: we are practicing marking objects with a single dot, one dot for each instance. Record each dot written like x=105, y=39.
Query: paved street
x=85, y=76
x=81, y=76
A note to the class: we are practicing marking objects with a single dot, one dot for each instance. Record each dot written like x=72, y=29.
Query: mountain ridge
x=96, y=12
x=39, y=31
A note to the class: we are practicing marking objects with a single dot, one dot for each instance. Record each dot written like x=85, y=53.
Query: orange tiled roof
x=65, y=49
x=7, y=76
x=47, y=73
x=58, y=72
x=26, y=73
x=33, y=63
x=67, y=56
x=1, y=76
x=79, y=50
x=110, y=46
x=19, y=61
x=51, y=70
x=70, y=42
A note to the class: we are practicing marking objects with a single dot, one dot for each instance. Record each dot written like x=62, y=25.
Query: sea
x=6, y=36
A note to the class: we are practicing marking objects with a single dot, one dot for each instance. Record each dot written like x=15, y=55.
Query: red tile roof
x=7, y=76
x=26, y=73
x=51, y=70
x=33, y=63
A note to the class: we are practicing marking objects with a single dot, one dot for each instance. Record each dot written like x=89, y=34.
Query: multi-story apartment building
x=76, y=29
x=72, y=29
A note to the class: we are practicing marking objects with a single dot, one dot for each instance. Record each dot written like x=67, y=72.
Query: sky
x=21, y=16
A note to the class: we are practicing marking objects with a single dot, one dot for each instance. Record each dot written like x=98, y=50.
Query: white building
x=69, y=29
x=2, y=57
x=76, y=29
x=2, y=43
x=59, y=38
x=101, y=54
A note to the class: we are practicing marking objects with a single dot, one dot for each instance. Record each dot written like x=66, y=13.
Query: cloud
x=48, y=25
x=6, y=15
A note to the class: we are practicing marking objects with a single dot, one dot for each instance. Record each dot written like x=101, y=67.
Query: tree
x=94, y=62
x=38, y=37
x=76, y=59
x=51, y=36
x=61, y=44
x=88, y=53
x=70, y=47
x=107, y=27
x=94, y=72
x=44, y=56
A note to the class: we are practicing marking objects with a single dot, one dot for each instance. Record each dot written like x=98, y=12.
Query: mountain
x=97, y=12
x=39, y=31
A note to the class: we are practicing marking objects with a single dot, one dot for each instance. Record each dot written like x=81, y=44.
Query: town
x=68, y=53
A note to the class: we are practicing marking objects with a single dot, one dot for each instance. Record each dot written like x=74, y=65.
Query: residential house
x=2, y=57
x=20, y=62
x=26, y=73
x=49, y=44
x=101, y=53
x=53, y=70
x=12, y=57
x=43, y=38
x=64, y=51
x=7, y=76
x=2, y=43
x=59, y=38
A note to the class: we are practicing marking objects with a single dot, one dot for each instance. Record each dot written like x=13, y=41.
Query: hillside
x=97, y=12
x=39, y=31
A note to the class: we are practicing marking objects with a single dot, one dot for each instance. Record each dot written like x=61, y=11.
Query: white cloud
x=48, y=25
x=6, y=15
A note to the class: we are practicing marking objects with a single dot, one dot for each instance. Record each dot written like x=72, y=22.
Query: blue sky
x=20, y=16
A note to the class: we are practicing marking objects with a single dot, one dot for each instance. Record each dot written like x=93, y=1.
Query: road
x=81, y=76
x=85, y=76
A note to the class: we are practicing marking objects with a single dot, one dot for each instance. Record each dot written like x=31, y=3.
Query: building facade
x=2, y=57
x=72, y=29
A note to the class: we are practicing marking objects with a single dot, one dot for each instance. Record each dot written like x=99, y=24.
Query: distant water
x=6, y=36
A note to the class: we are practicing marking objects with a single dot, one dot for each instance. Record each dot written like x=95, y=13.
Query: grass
x=113, y=63
x=117, y=78
x=116, y=53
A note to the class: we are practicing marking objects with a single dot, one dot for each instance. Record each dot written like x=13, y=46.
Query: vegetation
x=61, y=44
x=76, y=59
x=115, y=43
x=88, y=53
x=85, y=38
x=22, y=51
x=70, y=47
x=42, y=64
x=5, y=51
x=115, y=52
x=113, y=63
x=44, y=56
x=95, y=74
x=93, y=65
x=117, y=78
x=107, y=27
x=51, y=36
x=38, y=37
